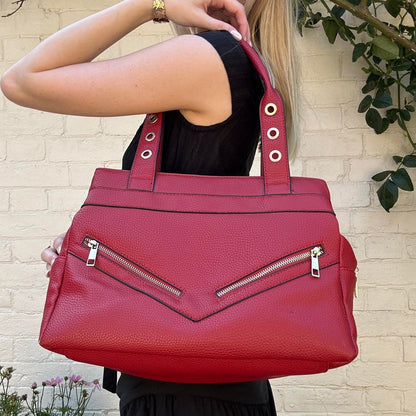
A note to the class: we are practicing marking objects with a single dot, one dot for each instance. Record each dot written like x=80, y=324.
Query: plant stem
x=363, y=13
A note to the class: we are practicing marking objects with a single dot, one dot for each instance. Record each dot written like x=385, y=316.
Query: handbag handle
x=274, y=158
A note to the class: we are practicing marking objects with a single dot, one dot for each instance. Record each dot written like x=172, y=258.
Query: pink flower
x=97, y=385
x=34, y=386
x=54, y=381
x=75, y=379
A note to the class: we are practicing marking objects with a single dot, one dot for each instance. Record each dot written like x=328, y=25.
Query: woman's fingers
x=49, y=254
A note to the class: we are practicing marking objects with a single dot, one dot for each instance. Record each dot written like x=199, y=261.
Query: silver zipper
x=314, y=254
x=95, y=247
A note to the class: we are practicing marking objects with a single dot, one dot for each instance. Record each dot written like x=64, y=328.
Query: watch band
x=159, y=12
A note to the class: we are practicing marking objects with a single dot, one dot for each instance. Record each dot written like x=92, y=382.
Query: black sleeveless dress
x=226, y=148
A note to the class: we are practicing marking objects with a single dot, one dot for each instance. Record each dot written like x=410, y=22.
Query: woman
x=210, y=94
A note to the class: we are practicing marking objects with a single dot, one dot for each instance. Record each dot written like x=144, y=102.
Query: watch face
x=158, y=4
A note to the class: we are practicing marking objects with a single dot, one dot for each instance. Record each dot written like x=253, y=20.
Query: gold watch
x=159, y=12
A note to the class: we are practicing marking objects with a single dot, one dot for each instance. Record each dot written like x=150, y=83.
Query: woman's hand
x=210, y=14
x=50, y=253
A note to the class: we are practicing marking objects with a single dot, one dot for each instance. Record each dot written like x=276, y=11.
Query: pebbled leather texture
x=204, y=279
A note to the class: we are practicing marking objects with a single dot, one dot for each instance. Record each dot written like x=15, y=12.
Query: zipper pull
x=93, y=245
x=315, y=253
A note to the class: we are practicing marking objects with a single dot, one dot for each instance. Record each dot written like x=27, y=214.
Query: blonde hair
x=272, y=25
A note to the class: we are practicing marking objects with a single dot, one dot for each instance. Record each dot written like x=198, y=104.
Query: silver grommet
x=271, y=109
x=273, y=133
x=153, y=118
x=150, y=136
x=275, y=156
x=146, y=154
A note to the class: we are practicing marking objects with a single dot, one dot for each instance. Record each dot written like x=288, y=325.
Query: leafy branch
x=388, y=50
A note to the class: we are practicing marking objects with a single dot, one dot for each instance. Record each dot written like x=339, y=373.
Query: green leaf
x=374, y=120
x=392, y=114
x=371, y=31
x=354, y=2
x=331, y=29
x=397, y=159
x=371, y=83
x=410, y=161
x=381, y=176
x=382, y=100
x=402, y=64
x=385, y=125
x=388, y=194
x=409, y=107
x=393, y=7
x=402, y=179
x=405, y=114
x=362, y=27
x=359, y=50
x=385, y=48
x=365, y=104
x=338, y=11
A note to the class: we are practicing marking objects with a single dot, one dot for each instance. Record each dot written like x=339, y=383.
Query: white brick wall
x=46, y=163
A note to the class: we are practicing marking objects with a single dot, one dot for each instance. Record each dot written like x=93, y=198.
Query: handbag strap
x=274, y=160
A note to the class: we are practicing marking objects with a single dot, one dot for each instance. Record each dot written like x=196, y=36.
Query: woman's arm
x=58, y=75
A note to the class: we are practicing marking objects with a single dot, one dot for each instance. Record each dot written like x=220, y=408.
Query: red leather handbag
x=191, y=278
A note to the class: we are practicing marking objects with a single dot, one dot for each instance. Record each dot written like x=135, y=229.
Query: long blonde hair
x=272, y=25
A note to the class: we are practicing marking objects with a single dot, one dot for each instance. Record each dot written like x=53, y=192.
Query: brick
x=25, y=149
x=80, y=174
x=28, y=199
x=334, y=93
x=346, y=195
x=8, y=25
x=412, y=299
x=28, y=250
x=6, y=348
x=387, y=299
x=66, y=199
x=76, y=126
x=352, y=70
x=17, y=48
x=388, y=273
x=383, y=247
x=351, y=118
x=36, y=224
x=22, y=121
x=122, y=126
x=88, y=149
x=410, y=400
x=371, y=221
x=318, y=119
x=29, y=300
x=5, y=251
x=381, y=349
x=384, y=323
x=320, y=67
x=330, y=144
x=334, y=400
x=4, y=199
x=406, y=221
x=28, y=350
x=36, y=22
x=3, y=150
x=343, y=217
x=34, y=174
x=391, y=142
x=5, y=298
x=364, y=169
x=409, y=345
x=19, y=324
x=384, y=400
x=331, y=169
x=22, y=275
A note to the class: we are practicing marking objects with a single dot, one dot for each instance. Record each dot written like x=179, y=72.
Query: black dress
x=226, y=148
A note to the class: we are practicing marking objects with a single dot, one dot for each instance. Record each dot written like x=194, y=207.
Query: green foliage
x=387, y=51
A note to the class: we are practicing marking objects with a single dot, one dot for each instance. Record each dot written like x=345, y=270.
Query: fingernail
x=236, y=34
x=53, y=261
x=59, y=249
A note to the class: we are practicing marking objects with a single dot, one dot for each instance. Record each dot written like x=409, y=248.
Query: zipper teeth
x=136, y=270
x=264, y=272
